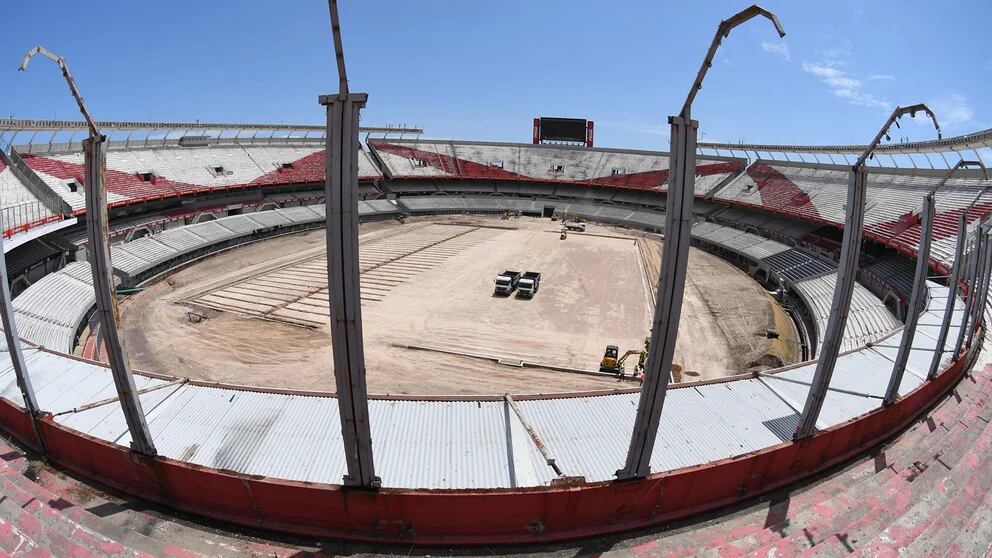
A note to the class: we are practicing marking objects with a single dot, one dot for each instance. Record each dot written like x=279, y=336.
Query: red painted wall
x=470, y=516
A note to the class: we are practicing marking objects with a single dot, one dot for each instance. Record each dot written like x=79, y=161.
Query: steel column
x=14, y=345
x=972, y=272
x=952, y=297
x=94, y=153
x=674, y=261
x=984, y=293
x=982, y=285
x=668, y=305
x=975, y=287
x=344, y=287
x=917, y=301
x=847, y=272
x=843, y=290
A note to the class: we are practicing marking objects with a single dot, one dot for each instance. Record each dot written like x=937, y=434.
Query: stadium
x=275, y=339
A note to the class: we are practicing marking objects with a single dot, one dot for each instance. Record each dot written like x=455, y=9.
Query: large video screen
x=563, y=129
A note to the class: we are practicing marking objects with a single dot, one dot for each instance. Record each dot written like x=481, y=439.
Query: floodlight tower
x=956, y=267
x=847, y=272
x=341, y=189
x=678, y=222
x=94, y=152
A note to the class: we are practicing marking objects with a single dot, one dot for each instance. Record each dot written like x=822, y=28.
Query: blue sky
x=472, y=70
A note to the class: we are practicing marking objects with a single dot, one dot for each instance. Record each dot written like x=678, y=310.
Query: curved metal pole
x=338, y=48
x=14, y=346
x=956, y=269
x=68, y=78
x=847, y=273
x=343, y=280
x=722, y=32
x=952, y=296
x=917, y=301
x=674, y=263
x=94, y=151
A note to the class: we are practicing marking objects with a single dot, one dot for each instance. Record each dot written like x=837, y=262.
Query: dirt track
x=594, y=292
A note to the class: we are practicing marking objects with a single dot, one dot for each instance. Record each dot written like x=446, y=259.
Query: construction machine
x=613, y=362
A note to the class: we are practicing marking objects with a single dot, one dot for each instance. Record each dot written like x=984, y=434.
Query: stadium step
x=46, y=522
x=863, y=507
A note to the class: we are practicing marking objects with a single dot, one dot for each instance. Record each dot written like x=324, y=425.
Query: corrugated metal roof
x=465, y=444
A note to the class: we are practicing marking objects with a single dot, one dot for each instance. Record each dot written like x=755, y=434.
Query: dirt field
x=428, y=284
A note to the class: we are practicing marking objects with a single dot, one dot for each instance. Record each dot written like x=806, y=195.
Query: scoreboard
x=563, y=131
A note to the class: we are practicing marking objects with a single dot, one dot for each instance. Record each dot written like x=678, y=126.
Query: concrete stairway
x=925, y=494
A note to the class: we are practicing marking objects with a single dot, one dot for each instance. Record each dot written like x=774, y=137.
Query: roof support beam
x=952, y=297
x=343, y=281
x=973, y=262
x=674, y=262
x=14, y=347
x=981, y=285
x=846, y=274
x=94, y=159
x=917, y=301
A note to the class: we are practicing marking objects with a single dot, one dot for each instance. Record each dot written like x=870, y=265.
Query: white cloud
x=846, y=86
x=953, y=110
x=781, y=49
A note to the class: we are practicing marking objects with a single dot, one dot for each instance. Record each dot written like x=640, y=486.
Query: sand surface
x=428, y=283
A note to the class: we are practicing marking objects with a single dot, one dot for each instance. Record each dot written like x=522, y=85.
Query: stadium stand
x=135, y=175
x=51, y=311
x=633, y=170
x=818, y=193
x=20, y=206
x=895, y=272
x=795, y=265
x=238, y=430
x=749, y=246
x=867, y=321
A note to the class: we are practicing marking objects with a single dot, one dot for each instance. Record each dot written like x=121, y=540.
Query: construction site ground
x=257, y=315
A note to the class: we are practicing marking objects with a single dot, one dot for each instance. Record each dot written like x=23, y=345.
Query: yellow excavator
x=613, y=362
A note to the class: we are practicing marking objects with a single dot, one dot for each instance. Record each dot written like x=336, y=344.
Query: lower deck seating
x=51, y=310
x=795, y=265
x=867, y=321
x=896, y=272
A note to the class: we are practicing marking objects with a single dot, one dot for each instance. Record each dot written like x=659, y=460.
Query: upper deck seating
x=893, y=201
x=149, y=173
x=20, y=205
x=636, y=170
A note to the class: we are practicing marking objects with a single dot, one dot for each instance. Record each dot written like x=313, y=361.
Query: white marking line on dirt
x=644, y=273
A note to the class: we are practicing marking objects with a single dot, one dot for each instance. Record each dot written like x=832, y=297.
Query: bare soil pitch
x=596, y=290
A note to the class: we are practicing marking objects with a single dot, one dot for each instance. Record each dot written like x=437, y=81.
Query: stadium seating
x=636, y=170
x=818, y=193
x=750, y=246
x=51, y=310
x=867, y=320
x=795, y=265
x=152, y=173
x=20, y=205
x=895, y=272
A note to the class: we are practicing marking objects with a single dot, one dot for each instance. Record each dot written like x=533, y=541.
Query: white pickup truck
x=575, y=225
